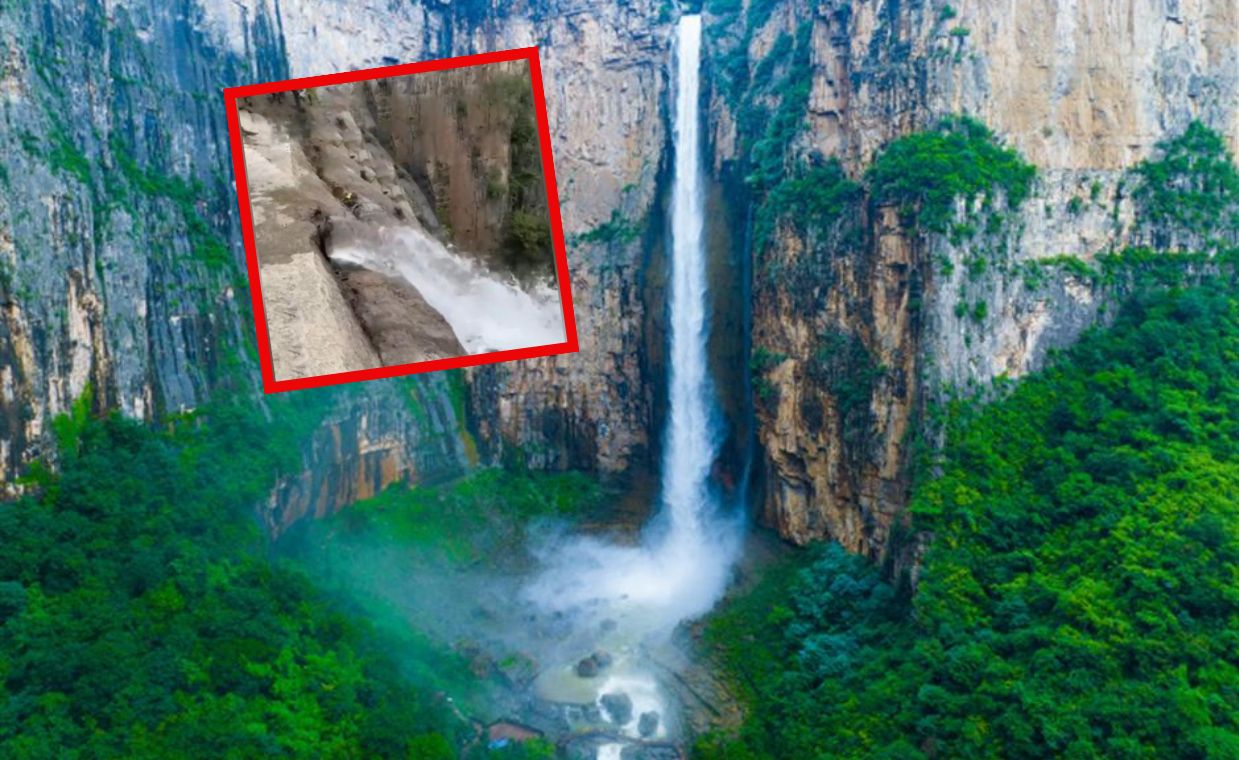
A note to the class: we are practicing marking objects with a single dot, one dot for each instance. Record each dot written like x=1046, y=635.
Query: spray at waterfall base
x=624, y=602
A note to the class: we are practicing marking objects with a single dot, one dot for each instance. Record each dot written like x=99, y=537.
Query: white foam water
x=487, y=311
x=682, y=566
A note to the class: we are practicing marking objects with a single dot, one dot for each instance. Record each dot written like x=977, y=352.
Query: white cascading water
x=681, y=568
x=488, y=312
x=692, y=439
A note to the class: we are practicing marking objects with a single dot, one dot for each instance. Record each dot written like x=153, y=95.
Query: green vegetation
x=762, y=361
x=1034, y=272
x=477, y=519
x=1079, y=595
x=141, y=617
x=206, y=244
x=66, y=157
x=766, y=137
x=1193, y=188
x=813, y=198
x=617, y=229
x=848, y=371
x=528, y=245
x=925, y=172
x=142, y=613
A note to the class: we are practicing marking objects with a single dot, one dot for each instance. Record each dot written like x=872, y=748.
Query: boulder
x=647, y=724
x=618, y=706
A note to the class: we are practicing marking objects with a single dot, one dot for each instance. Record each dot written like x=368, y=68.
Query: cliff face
x=115, y=223
x=605, y=74
x=121, y=251
x=1083, y=90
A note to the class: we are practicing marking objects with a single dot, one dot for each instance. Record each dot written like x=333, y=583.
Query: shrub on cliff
x=1192, y=187
x=925, y=172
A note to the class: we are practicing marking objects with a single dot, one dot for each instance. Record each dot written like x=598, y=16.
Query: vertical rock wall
x=1084, y=90
x=120, y=256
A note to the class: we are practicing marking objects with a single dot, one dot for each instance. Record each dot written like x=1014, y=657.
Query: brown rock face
x=386, y=306
x=390, y=433
x=854, y=337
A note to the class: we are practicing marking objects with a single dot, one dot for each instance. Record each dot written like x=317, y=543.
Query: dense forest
x=1080, y=594
x=144, y=615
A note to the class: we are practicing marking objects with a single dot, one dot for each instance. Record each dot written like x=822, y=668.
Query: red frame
x=270, y=384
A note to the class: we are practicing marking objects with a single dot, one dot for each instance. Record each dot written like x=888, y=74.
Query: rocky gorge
x=898, y=207
x=136, y=303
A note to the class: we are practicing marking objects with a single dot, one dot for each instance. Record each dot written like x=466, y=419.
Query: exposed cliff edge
x=863, y=316
x=122, y=271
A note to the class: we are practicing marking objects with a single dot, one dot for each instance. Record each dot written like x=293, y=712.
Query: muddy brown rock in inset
x=386, y=307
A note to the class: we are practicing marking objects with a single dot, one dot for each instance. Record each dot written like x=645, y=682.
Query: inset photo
x=401, y=219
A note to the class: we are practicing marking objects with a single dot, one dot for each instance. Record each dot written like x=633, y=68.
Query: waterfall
x=691, y=438
x=487, y=311
x=626, y=599
x=681, y=567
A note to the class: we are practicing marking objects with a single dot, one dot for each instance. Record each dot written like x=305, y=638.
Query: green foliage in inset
x=529, y=240
x=528, y=243
x=925, y=172
x=1079, y=594
x=1192, y=187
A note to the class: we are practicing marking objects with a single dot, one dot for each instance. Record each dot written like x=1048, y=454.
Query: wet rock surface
x=618, y=706
x=386, y=307
x=647, y=724
x=591, y=666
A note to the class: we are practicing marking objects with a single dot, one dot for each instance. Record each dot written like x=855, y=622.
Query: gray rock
x=647, y=724
x=618, y=706
x=591, y=666
x=587, y=667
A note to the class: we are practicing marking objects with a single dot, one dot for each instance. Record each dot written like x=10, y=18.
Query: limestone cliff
x=1083, y=90
x=120, y=245
x=605, y=68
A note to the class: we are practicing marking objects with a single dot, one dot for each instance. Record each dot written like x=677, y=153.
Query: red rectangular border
x=269, y=383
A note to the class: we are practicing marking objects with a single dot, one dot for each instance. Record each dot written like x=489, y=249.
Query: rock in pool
x=618, y=706
x=647, y=724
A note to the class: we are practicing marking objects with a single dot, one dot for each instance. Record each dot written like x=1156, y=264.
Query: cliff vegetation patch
x=1078, y=597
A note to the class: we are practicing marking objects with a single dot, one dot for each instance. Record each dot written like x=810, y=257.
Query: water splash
x=487, y=311
x=683, y=563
